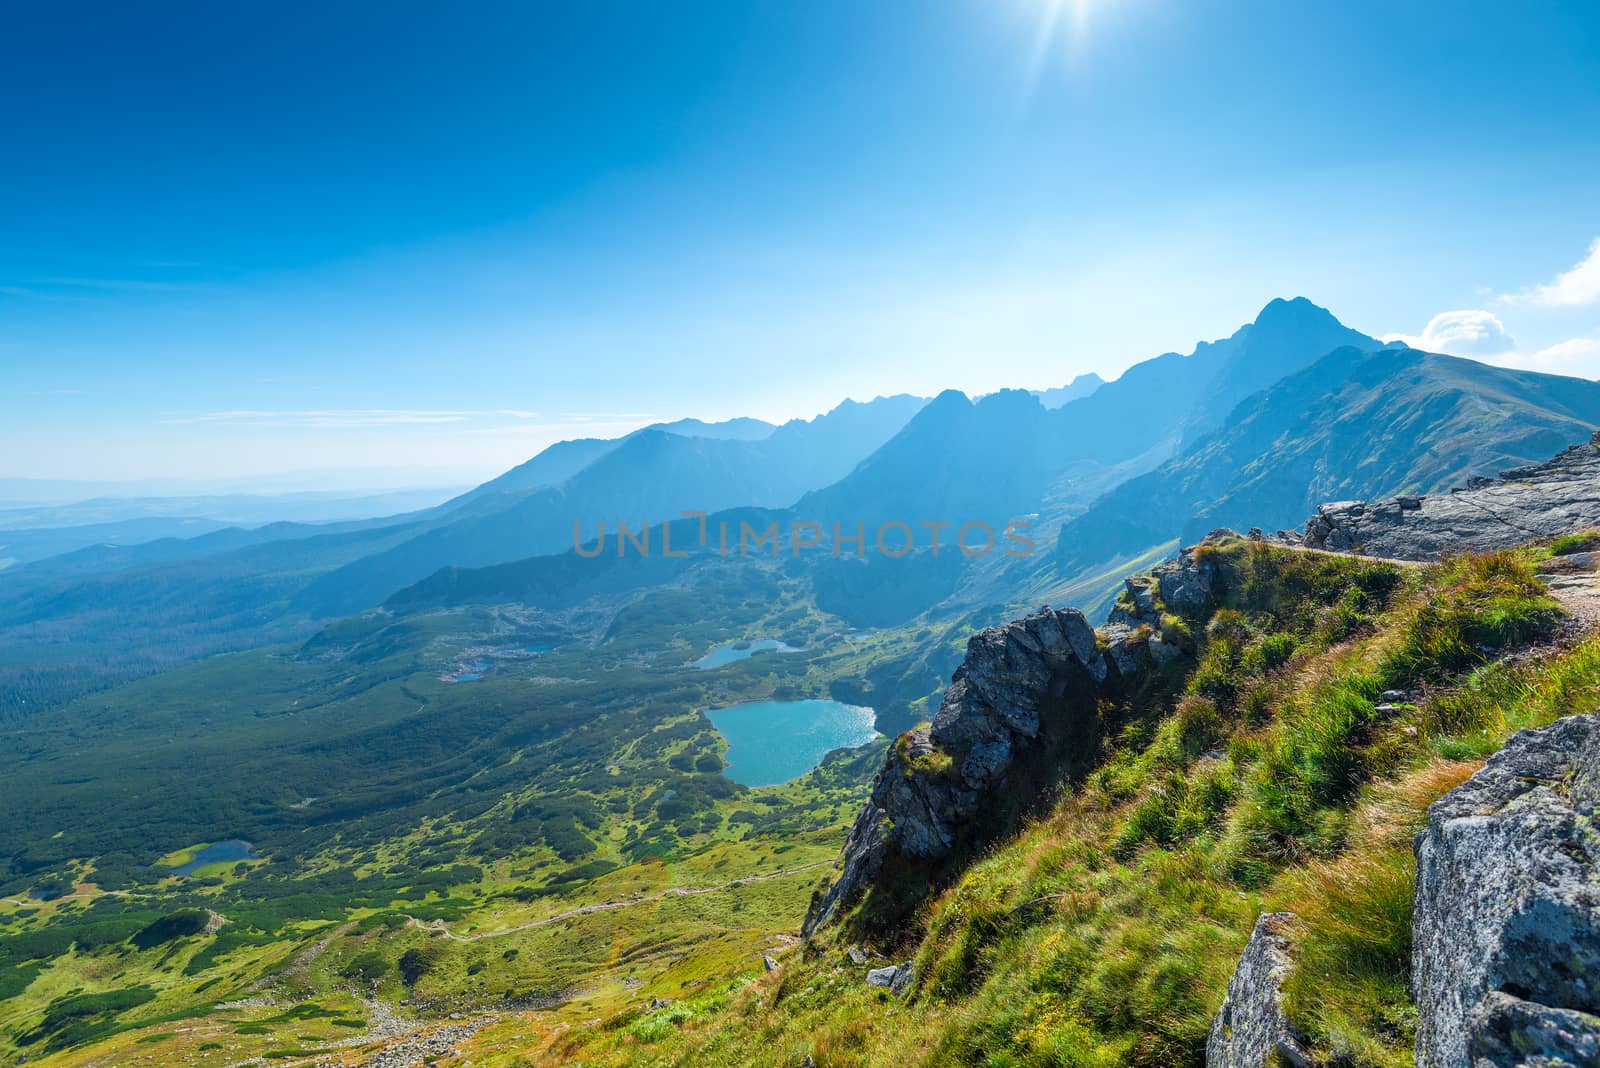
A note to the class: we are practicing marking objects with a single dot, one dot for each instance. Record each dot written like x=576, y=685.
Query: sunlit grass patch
x=1582, y=541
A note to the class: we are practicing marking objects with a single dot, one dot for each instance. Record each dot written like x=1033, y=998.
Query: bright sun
x=1061, y=27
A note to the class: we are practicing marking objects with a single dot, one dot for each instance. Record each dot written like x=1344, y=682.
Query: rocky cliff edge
x=1027, y=688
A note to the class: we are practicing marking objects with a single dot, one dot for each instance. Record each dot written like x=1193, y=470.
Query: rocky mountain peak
x=1296, y=311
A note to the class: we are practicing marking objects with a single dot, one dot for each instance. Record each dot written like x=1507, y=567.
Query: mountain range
x=1341, y=415
x=1253, y=429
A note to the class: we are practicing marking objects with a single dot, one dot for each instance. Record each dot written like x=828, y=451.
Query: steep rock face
x=1539, y=501
x=1506, y=957
x=1014, y=684
x=1251, y=1030
x=1031, y=683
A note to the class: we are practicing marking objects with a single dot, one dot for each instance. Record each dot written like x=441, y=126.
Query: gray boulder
x=1506, y=945
x=1509, y=1031
x=1044, y=670
x=883, y=976
x=1251, y=1030
x=896, y=977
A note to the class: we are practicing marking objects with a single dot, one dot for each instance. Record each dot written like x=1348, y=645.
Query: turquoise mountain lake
x=774, y=741
x=727, y=654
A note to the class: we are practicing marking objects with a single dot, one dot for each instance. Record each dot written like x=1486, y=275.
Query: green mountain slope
x=1355, y=425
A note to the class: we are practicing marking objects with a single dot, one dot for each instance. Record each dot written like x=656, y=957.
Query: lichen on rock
x=1506, y=947
x=1251, y=1030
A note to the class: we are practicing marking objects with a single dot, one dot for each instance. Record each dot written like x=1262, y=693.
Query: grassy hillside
x=1273, y=775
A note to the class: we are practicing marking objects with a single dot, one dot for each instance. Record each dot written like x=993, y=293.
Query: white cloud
x=1481, y=335
x=1579, y=286
x=1468, y=332
x=1579, y=356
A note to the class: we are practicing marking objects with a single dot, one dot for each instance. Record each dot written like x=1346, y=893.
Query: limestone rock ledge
x=1542, y=500
x=1506, y=951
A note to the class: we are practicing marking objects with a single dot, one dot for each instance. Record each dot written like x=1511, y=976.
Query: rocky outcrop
x=1541, y=501
x=1506, y=952
x=1251, y=1030
x=1015, y=681
x=1021, y=684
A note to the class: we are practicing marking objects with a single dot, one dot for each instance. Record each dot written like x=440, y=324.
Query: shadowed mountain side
x=1288, y=336
x=864, y=591
x=552, y=466
x=559, y=462
x=1354, y=425
x=957, y=461
x=742, y=428
x=1172, y=398
x=1008, y=455
x=1081, y=386
x=651, y=476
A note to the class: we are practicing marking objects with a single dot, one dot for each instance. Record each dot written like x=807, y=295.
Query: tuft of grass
x=1582, y=541
x=1352, y=948
x=1480, y=606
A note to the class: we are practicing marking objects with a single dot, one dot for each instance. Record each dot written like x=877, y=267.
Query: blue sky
x=245, y=239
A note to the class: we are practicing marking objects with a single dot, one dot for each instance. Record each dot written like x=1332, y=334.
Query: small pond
x=220, y=853
x=727, y=654
x=775, y=741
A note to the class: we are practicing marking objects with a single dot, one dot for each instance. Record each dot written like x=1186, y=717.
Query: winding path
x=1573, y=581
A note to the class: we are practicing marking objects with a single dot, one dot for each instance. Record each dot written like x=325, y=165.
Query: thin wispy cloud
x=591, y=417
x=350, y=417
x=96, y=290
x=1573, y=288
x=31, y=293
x=128, y=284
